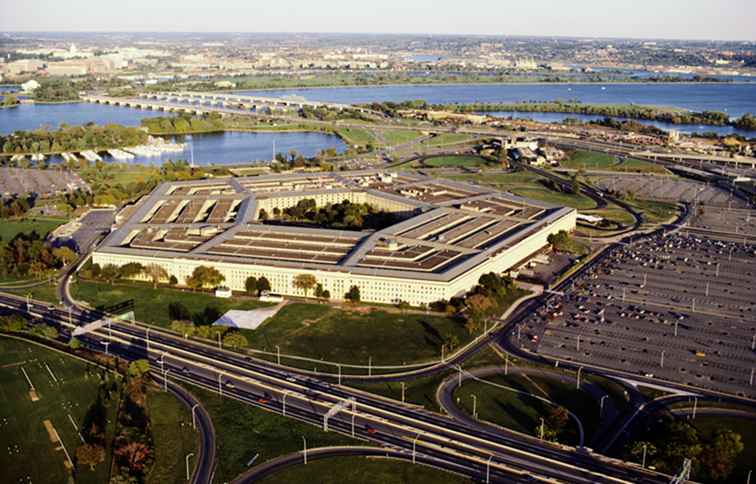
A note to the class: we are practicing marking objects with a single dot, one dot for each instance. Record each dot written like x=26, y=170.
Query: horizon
x=728, y=20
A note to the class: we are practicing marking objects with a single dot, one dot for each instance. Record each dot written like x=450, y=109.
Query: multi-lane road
x=481, y=453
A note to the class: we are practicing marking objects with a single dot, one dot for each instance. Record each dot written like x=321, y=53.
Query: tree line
x=72, y=138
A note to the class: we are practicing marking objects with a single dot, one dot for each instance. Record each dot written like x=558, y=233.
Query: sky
x=672, y=19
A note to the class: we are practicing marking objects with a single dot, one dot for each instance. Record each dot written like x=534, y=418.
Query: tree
x=74, y=343
x=403, y=306
x=263, y=285
x=172, y=281
x=110, y=273
x=177, y=311
x=250, y=285
x=12, y=323
x=305, y=282
x=204, y=276
x=138, y=368
x=130, y=270
x=184, y=328
x=235, y=340
x=718, y=458
x=156, y=273
x=263, y=215
x=353, y=294
x=89, y=454
x=65, y=254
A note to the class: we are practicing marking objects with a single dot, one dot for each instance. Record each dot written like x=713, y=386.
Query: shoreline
x=479, y=83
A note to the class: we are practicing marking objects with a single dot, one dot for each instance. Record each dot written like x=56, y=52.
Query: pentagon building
x=447, y=236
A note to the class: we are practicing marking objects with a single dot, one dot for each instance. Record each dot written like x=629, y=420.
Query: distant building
x=225, y=84
x=30, y=86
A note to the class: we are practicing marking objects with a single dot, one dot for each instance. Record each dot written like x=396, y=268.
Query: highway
x=480, y=452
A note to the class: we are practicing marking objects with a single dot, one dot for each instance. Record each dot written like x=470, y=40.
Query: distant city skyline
x=668, y=19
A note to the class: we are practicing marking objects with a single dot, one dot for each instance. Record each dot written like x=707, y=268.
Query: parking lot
x=668, y=189
x=733, y=223
x=81, y=233
x=21, y=181
x=678, y=307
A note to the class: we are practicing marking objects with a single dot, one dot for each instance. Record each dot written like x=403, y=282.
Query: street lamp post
x=404, y=388
x=488, y=470
x=414, y=449
x=661, y=362
x=304, y=440
x=542, y=427
x=188, y=456
x=106, y=343
x=475, y=406
x=278, y=354
x=643, y=464
x=194, y=416
x=165, y=380
x=601, y=409
x=283, y=411
x=220, y=387
x=578, y=377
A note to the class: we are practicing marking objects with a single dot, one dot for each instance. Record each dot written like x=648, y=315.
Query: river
x=732, y=98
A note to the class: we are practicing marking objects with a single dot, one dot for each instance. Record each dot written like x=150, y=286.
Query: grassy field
x=151, y=305
x=28, y=455
x=357, y=136
x=530, y=185
x=655, y=212
x=243, y=431
x=321, y=331
x=340, y=334
x=747, y=430
x=522, y=412
x=173, y=437
x=400, y=136
x=46, y=292
x=362, y=470
x=43, y=226
x=590, y=160
x=455, y=160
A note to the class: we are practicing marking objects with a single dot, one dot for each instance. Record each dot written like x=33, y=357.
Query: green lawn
x=45, y=292
x=173, y=437
x=591, y=160
x=400, y=136
x=455, y=160
x=357, y=136
x=26, y=447
x=321, y=331
x=448, y=139
x=243, y=431
x=655, y=212
x=747, y=430
x=529, y=185
x=9, y=228
x=362, y=470
x=151, y=305
x=522, y=412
